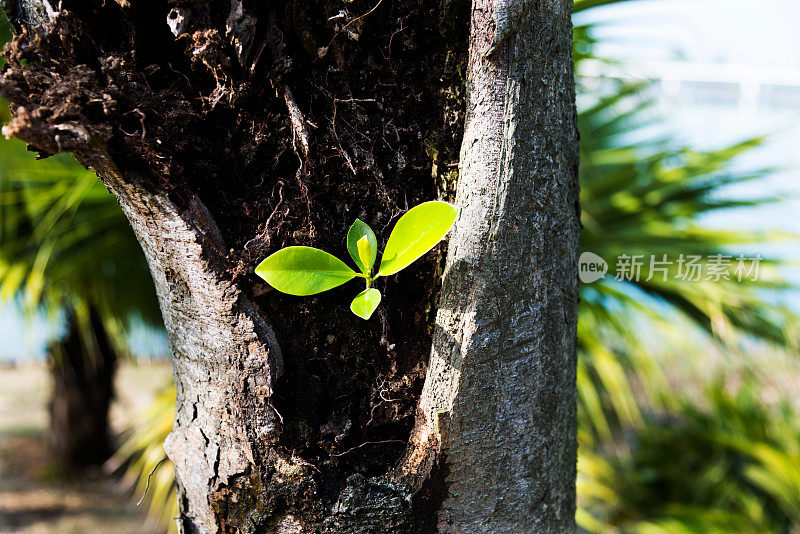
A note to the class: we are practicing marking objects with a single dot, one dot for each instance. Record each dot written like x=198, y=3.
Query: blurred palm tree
x=642, y=453
x=645, y=199
x=651, y=461
x=66, y=247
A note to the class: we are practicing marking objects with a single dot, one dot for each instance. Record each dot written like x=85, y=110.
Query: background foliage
x=64, y=242
x=656, y=456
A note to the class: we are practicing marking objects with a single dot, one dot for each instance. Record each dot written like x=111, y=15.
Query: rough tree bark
x=228, y=129
x=498, y=398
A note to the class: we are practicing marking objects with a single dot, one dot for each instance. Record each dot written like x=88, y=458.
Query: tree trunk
x=82, y=371
x=228, y=130
x=499, y=397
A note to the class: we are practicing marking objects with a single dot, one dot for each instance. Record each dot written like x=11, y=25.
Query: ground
x=36, y=496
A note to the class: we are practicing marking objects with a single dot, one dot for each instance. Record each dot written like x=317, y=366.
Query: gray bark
x=495, y=433
x=225, y=355
x=499, y=399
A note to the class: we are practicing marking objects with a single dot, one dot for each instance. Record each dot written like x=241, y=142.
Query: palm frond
x=64, y=237
x=147, y=469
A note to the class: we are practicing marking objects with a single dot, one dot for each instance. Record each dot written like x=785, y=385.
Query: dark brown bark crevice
x=182, y=116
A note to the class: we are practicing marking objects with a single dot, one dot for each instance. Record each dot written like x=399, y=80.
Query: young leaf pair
x=306, y=271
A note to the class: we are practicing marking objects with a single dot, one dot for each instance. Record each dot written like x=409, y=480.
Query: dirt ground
x=36, y=497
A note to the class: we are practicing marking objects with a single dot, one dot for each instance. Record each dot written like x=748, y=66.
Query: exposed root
x=299, y=130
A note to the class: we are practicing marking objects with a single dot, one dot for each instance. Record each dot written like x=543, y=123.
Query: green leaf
x=357, y=232
x=366, y=253
x=416, y=233
x=304, y=271
x=365, y=303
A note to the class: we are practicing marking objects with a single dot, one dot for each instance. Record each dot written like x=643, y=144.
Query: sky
x=760, y=32
x=761, y=39
x=21, y=335
x=758, y=42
